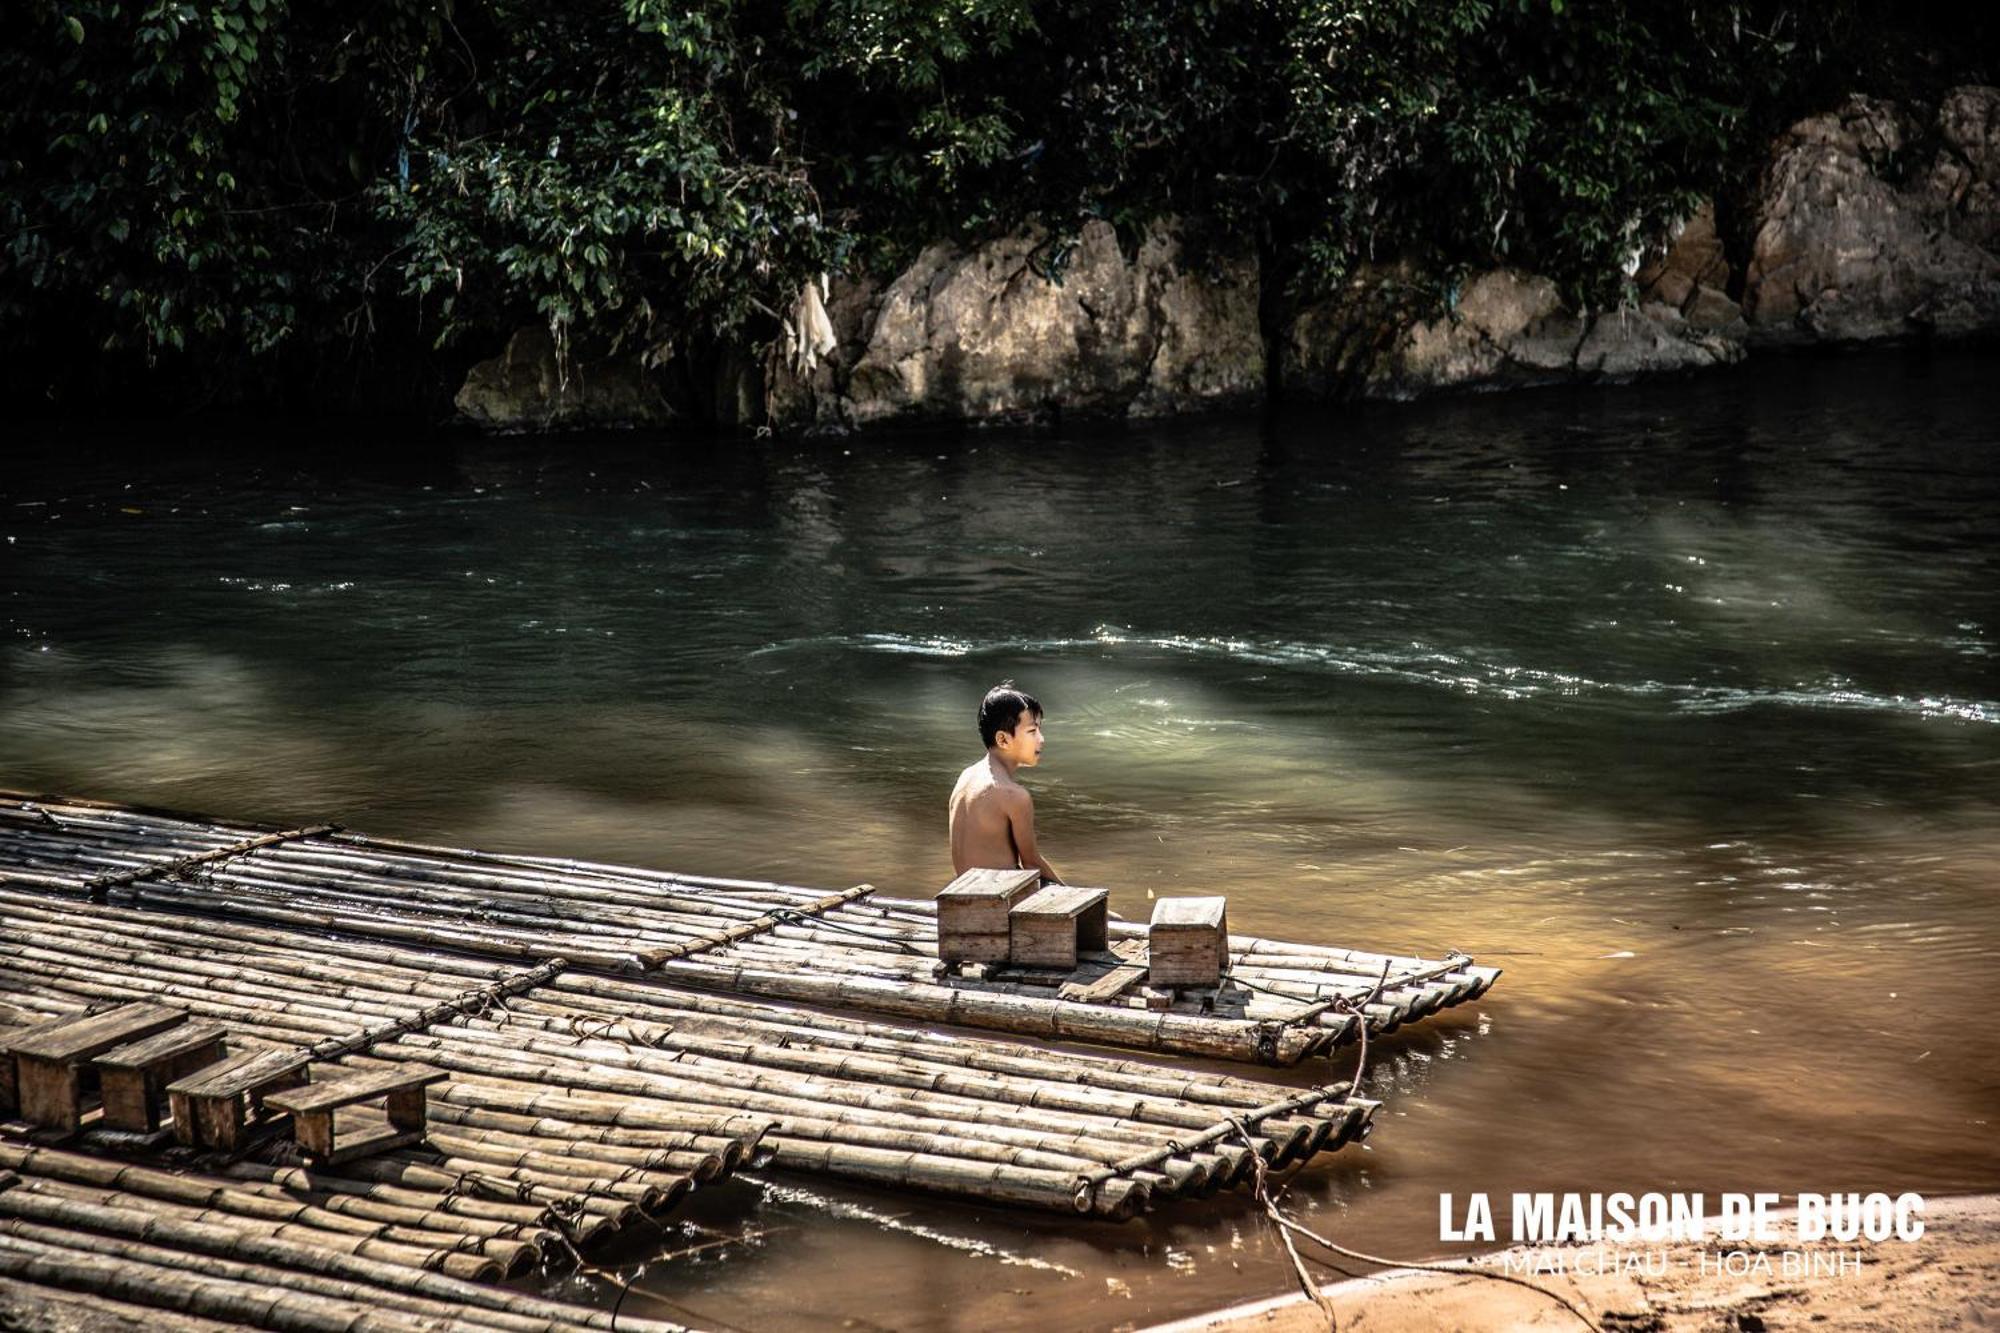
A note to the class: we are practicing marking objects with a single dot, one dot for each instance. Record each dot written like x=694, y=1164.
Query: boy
x=992, y=815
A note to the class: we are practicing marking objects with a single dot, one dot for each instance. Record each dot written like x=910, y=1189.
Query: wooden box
x=212, y=1107
x=1188, y=941
x=1049, y=928
x=972, y=914
x=134, y=1077
x=316, y=1112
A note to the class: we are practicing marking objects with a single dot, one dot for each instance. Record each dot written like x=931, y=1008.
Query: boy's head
x=1010, y=721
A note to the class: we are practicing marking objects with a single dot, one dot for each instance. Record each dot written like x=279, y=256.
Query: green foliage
x=225, y=185
x=1463, y=132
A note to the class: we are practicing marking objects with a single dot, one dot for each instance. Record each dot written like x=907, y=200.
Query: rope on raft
x=99, y=889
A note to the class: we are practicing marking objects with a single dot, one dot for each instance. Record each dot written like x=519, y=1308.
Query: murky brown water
x=1679, y=702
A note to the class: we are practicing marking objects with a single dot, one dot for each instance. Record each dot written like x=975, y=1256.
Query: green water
x=1678, y=701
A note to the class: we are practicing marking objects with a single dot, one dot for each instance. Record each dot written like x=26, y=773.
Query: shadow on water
x=1676, y=701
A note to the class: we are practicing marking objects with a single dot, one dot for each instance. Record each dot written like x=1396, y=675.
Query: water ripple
x=1435, y=668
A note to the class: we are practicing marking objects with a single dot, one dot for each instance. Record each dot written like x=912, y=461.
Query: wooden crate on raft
x=973, y=913
x=1188, y=941
x=134, y=1077
x=316, y=1112
x=1050, y=928
x=213, y=1107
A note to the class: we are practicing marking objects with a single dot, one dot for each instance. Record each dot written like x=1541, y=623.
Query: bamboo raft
x=607, y=1099
x=856, y=950
x=607, y=1040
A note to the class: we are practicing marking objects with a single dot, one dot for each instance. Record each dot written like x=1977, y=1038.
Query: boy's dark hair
x=1001, y=710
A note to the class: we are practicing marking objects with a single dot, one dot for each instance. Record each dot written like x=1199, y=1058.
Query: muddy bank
x=1948, y=1279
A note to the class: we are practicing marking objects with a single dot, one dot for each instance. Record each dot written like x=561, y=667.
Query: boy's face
x=1023, y=744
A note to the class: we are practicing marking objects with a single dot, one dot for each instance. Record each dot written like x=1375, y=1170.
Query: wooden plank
x=170, y=1044
x=209, y=1105
x=246, y=1071
x=49, y=1092
x=1107, y=987
x=216, y=1122
x=83, y=1038
x=315, y=1097
x=10, y=1087
x=974, y=946
x=313, y=1131
x=1201, y=912
x=407, y=1107
x=1063, y=900
x=363, y=1133
x=981, y=884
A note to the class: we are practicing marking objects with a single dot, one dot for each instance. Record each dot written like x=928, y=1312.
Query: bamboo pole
x=29, y=1305
x=610, y=1067
x=33, y=1238
x=619, y=997
x=257, y=1304
x=1011, y=1184
x=22, y=1206
x=192, y=1195
x=527, y=1219
x=448, y=1258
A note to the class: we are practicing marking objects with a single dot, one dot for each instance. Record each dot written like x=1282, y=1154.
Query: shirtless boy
x=992, y=815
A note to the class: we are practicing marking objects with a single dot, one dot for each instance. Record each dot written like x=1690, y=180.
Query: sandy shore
x=1949, y=1279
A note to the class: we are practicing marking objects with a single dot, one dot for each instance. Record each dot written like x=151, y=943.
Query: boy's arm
x=1021, y=820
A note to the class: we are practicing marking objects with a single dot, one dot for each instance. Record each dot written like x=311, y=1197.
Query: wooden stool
x=210, y=1105
x=49, y=1061
x=1188, y=941
x=134, y=1077
x=1050, y=928
x=972, y=914
x=401, y=1092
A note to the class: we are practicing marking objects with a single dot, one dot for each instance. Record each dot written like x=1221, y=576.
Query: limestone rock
x=1690, y=275
x=1509, y=330
x=1871, y=224
x=523, y=390
x=976, y=334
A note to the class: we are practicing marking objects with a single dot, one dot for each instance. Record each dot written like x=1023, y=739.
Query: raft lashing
x=610, y=1038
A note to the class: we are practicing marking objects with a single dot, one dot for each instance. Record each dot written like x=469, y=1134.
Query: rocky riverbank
x=1871, y=222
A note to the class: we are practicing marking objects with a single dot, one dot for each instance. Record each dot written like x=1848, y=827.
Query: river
x=1677, y=701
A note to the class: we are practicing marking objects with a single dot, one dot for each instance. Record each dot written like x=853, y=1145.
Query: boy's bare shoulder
x=980, y=783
